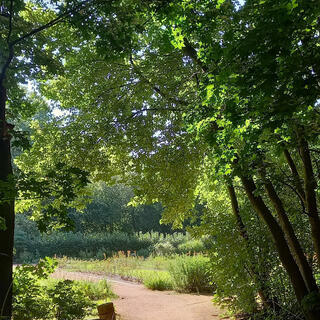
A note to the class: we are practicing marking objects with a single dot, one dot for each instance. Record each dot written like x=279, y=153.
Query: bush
x=35, y=297
x=191, y=274
x=70, y=301
x=96, y=290
x=30, y=298
x=93, y=246
x=158, y=281
x=191, y=246
x=164, y=249
x=143, y=253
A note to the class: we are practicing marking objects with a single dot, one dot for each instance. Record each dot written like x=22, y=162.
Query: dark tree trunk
x=236, y=212
x=7, y=213
x=286, y=258
x=254, y=273
x=290, y=235
x=310, y=185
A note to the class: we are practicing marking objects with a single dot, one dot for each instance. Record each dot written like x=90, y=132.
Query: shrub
x=191, y=246
x=96, y=290
x=164, y=248
x=143, y=253
x=30, y=298
x=158, y=281
x=177, y=238
x=93, y=246
x=70, y=301
x=191, y=274
x=28, y=249
x=37, y=297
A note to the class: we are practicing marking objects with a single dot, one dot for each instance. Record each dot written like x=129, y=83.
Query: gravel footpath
x=135, y=302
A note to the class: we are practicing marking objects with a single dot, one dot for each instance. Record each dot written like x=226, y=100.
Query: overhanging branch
x=11, y=44
x=157, y=88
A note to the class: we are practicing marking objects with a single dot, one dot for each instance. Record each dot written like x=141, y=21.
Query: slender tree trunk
x=310, y=185
x=7, y=213
x=290, y=235
x=296, y=177
x=286, y=258
x=236, y=212
x=254, y=273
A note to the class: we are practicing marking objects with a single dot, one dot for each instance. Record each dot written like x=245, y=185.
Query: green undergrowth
x=158, y=281
x=95, y=291
x=29, y=248
x=191, y=274
x=37, y=296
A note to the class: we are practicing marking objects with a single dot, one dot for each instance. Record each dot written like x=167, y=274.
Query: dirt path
x=135, y=302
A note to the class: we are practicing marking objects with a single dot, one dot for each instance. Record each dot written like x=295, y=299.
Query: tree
x=109, y=212
x=25, y=54
x=198, y=85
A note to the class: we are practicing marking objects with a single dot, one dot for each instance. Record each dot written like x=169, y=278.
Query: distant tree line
x=109, y=212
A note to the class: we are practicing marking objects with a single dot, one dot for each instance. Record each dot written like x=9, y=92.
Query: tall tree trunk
x=286, y=258
x=254, y=273
x=310, y=185
x=7, y=213
x=290, y=235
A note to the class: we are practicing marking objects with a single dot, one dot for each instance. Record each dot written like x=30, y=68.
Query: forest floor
x=135, y=302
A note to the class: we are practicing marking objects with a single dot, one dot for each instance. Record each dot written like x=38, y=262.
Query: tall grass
x=158, y=281
x=191, y=274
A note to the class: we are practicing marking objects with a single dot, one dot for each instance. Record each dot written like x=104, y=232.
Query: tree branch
x=295, y=174
x=45, y=26
x=297, y=194
x=156, y=88
x=155, y=110
x=11, y=44
x=192, y=53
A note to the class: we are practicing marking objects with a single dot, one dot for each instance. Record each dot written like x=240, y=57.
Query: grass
x=181, y=273
x=191, y=274
x=137, y=268
x=116, y=263
x=158, y=281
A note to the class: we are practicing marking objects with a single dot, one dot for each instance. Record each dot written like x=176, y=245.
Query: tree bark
x=286, y=258
x=7, y=213
x=310, y=185
x=262, y=290
x=290, y=235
